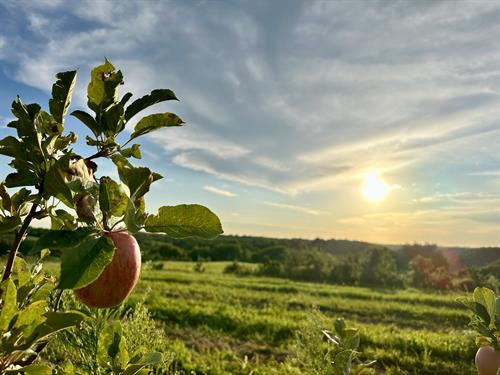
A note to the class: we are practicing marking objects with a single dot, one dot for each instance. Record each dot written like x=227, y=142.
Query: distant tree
x=380, y=269
x=226, y=251
x=346, y=271
x=277, y=253
x=425, y=274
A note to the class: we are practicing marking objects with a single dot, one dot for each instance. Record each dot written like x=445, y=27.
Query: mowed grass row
x=230, y=324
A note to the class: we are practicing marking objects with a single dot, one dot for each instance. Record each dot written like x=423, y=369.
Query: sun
x=374, y=188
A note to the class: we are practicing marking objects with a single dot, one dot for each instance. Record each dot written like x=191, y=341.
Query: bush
x=322, y=352
x=80, y=345
x=238, y=269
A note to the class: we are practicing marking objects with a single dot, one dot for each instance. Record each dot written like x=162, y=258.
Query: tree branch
x=17, y=241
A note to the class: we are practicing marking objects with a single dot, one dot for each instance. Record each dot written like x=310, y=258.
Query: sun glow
x=374, y=188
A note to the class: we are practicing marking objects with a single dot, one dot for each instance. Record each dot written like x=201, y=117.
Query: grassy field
x=226, y=324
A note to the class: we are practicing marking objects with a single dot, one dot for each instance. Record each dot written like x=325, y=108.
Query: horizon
x=290, y=132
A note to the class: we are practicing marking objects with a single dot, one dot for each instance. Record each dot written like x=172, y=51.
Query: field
x=226, y=324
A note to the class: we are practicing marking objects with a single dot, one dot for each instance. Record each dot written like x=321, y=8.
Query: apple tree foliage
x=51, y=180
x=485, y=307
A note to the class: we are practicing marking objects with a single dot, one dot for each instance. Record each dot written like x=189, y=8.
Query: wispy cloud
x=297, y=100
x=218, y=191
x=305, y=210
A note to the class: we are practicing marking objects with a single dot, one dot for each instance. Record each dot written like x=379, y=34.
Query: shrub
x=81, y=346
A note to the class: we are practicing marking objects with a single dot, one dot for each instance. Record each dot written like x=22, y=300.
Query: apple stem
x=17, y=241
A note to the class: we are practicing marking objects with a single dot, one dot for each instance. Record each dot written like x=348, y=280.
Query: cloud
x=218, y=191
x=297, y=99
x=296, y=112
x=305, y=210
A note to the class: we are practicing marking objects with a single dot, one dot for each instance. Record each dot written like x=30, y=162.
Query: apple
x=487, y=361
x=119, y=277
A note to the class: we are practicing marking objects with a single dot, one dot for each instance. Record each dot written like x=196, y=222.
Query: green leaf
x=134, y=217
x=62, y=91
x=497, y=306
x=102, y=90
x=9, y=223
x=111, y=346
x=62, y=239
x=149, y=359
x=6, y=200
x=29, y=128
x=156, y=96
x=21, y=271
x=13, y=147
x=352, y=342
x=54, y=182
x=112, y=198
x=185, y=221
x=134, y=151
x=155, y=121
x=19, y=199
x=50, y=126
x=30, y=317
x=27, y=178
x=137, y=179
x=31, y=370
x=114, y=121
x=88, y=120
x=61, y=143
x=61, y=219
x=67, y=368
x=343, y=361
x=9, y=304
x=84, y=263
x=126, y=98
x=486, y=298
x=339, y=326
x=54, y=322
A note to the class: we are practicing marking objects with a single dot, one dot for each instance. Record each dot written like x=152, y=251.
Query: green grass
x=226, y=324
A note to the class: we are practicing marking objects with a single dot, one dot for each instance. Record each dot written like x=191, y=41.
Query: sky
x=290, y=105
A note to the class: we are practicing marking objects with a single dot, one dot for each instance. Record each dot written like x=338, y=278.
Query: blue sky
x=289, y=103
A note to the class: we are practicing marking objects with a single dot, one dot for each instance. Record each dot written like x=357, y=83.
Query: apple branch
x=17, y=241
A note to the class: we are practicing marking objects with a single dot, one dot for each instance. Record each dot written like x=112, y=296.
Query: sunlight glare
x=374, y=188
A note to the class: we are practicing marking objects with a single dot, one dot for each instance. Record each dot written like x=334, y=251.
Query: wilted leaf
x=62, y=91
x=102, y=89
x=185, y=221
x=55, y=181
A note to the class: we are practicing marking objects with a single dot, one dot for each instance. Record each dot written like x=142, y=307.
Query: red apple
x=487, y=361
x=118, y=278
